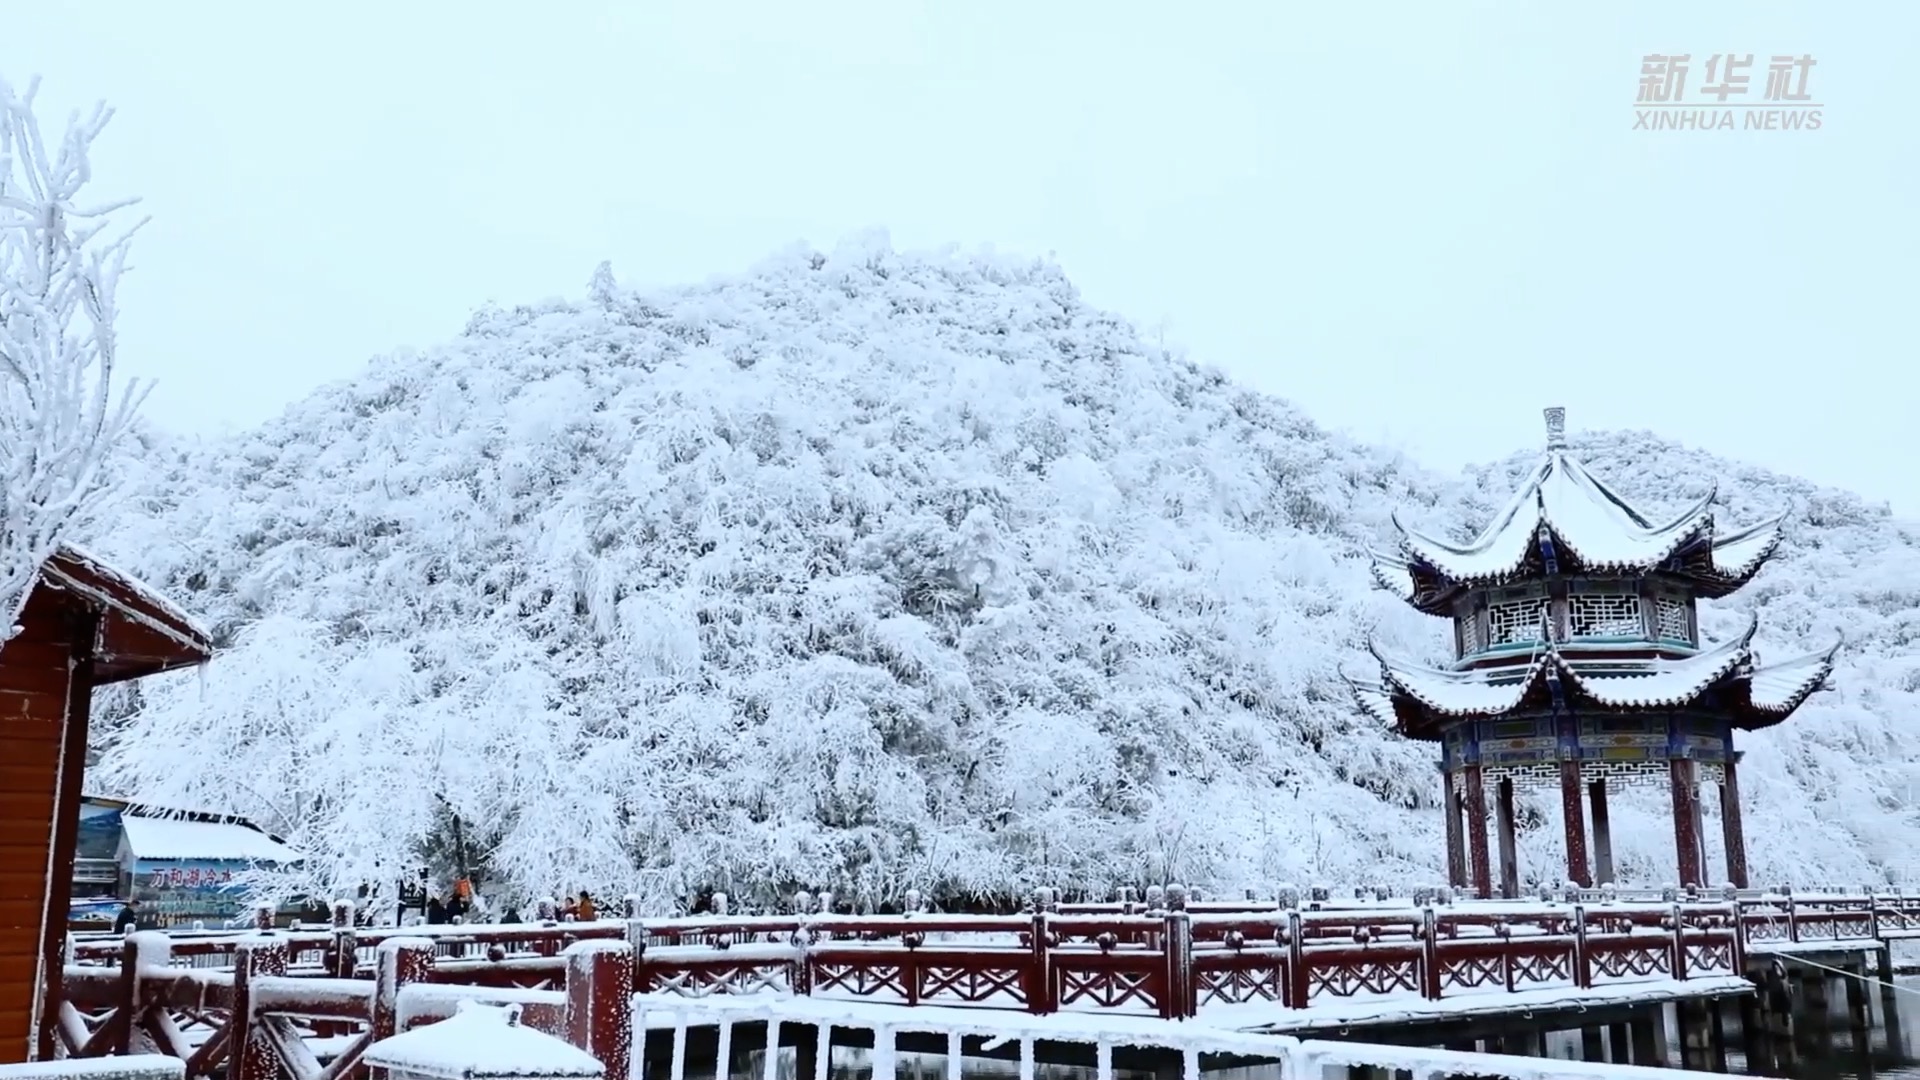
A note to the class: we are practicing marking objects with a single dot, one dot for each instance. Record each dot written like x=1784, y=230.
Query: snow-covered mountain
x=873, y=571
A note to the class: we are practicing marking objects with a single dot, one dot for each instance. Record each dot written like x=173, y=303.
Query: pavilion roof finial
x=1556, y=428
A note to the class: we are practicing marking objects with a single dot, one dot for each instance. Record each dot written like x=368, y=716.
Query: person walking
x=128, y=920
x=584, y=911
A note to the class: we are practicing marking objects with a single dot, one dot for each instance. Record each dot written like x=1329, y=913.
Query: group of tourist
x=579, y=907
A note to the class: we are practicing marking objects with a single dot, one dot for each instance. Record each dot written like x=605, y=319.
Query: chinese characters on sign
x=192, y=877
x=1725, y=96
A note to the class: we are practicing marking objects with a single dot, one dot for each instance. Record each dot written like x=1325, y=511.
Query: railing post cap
x=597, y=946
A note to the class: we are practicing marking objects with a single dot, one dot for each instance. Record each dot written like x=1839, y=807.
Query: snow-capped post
x=1609, y=893
x=1298, y=984
x=826, y=902
x=399, y=963
x=1429, y=954
x=251, y=1054
x=1381, y=892
x=1729, y=891
x=599, y=1012
x=1582, y=968
x=1039, y=935
x=345, y=943
x=128, y=999
x=1669, y=893
x=1444, y=894
x=263, y=917
x=911, y=901
x=637, y=943
x=1288, y=896
x=800, y=967
x=1423, y=896
x=1176, y=946
x=1679, y=941
x=1319, y=894
x=546, y=910
x=59, y=421
x=802, y=903
x=1545, y=893
x=1156, y=899
x=1360, y=892
x=719, y=904
x=630, y=906
x=1570, y=892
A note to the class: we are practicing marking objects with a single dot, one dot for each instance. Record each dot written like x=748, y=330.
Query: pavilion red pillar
x=1476, y=794
x=1730, y=827
x=1576, y=820
x=1456, y=834
x=1602, y=832
x=1509, y=851
x=1686, y=820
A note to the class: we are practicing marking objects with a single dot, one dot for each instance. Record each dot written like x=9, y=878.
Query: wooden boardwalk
x=309, y=1001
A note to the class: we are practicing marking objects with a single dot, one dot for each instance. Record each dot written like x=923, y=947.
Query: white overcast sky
x=1421, y=221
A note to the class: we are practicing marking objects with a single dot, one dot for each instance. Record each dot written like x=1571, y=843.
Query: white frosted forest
x=876, y=570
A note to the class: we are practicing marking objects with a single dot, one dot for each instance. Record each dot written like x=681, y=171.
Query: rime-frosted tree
x=59, y=268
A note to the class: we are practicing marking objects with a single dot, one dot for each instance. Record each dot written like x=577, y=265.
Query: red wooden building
x=1578, y=664
x=84, y=625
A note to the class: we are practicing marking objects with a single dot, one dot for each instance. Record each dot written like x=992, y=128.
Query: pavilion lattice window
x=1515, y=622
x=1604, y=615
x=1470, y=642
x=1670, y=619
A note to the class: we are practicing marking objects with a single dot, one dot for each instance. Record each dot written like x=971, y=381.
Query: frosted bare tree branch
x=59, y=270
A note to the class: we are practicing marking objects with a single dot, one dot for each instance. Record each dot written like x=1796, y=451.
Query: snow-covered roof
x=141, y=632
x=1462, y=693
x=169, y=838
x=481, y=1041
x=1623, y=684
x=1588, y=521
x=1374, y=700
x=144, y=594
x=1782, y=687
x=1739, y=554
x=1589, y=524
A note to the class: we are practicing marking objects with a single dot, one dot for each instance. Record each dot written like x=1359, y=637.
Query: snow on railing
x=143, y=1067
x=593, y=1004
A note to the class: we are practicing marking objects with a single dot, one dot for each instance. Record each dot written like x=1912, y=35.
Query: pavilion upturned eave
x=1423, y=703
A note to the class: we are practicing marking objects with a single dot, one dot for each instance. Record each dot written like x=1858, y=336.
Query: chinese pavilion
x=1578, y=663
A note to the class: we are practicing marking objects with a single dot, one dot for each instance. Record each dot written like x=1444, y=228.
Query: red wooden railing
x=338, y=988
